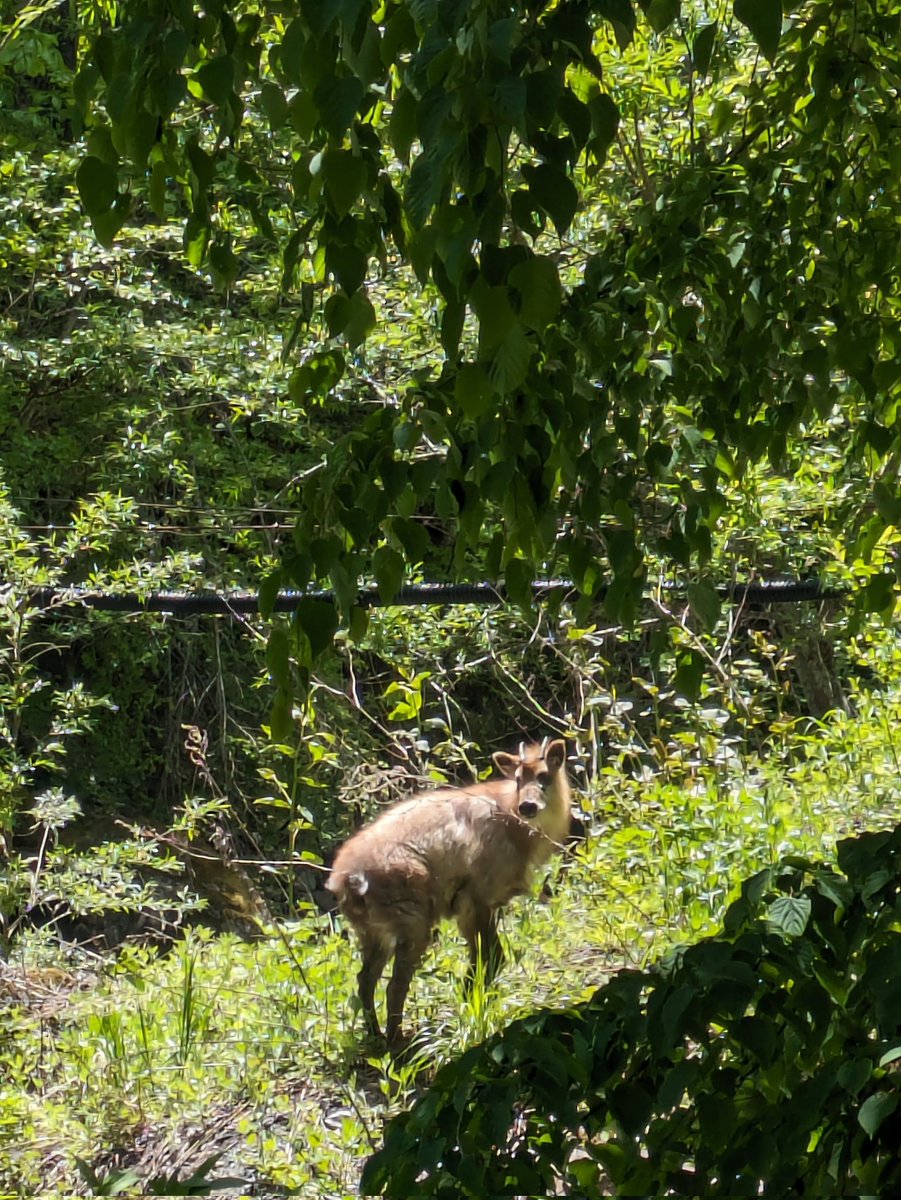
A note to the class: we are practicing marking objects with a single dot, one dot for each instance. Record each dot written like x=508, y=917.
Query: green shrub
x=758, y=1061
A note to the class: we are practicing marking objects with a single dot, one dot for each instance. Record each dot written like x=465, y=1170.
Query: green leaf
x=215, y=80
x=553, y=192
x=319, y=621
x=281, y=716
x=223, y=264
x=763, y=19
x=702, y=47
x=98, y=185
x=689, y=673
x=275, y=106
x=453, y=316
x=789, y=915
x=604, y=116
x=196, y=237
x=344, y=174
x=348, y=263
x=621, y=16
x=854, y=1073
x=278, y=656
x=632, y=1106
x=107, y=224
x=315, y=378
x=268, y=593
x=359, y=319
x=518, y=576
x=510, y=360
x=158, y=176
x=874, y=1111
x=388, y=567
x=402, y=124
x=705, y=603
x=473, y=391
x=540, y=293
x=496, y=317
x=338, y=101
x=423, y=189
x=661, y=13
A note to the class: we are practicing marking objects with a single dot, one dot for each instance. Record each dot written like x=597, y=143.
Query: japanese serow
x=458, y=853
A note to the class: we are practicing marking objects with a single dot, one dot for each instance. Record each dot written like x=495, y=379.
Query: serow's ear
x=505, y=763
x=555, y=755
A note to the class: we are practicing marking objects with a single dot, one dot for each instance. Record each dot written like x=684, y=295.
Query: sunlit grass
x=268, y=1032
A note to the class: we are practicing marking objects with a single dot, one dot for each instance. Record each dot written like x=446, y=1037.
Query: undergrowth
x=256, y=1048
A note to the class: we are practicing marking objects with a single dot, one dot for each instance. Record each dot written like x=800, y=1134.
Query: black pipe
x=776, y=591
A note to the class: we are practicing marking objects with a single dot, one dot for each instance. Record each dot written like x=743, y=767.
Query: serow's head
x=534, y=769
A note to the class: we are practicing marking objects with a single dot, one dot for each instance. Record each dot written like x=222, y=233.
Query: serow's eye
x=543, y=778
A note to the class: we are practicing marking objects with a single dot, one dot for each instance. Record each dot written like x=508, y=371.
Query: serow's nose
x=528, y=808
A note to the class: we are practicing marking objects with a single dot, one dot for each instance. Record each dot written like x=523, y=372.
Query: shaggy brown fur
x=454, y=852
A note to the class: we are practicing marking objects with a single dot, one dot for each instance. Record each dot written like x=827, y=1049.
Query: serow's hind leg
x=407, y=958
x=375, y=956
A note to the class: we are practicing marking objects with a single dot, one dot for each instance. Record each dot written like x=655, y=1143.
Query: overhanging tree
x=663, y=240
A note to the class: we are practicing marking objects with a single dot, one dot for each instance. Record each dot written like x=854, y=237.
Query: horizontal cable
x=775, y=591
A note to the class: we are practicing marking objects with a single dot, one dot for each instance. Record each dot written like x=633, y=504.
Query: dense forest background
x=337, y=296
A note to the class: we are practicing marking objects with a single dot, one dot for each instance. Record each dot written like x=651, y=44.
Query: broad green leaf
x=402, y=123
x=107, y=224
x=274, y=103
x=496, y=317
x=268, y=592
x=281, y=716
x=316, y=377
x=702, y=47
x=158, y=176
x=510, y=360
x=689, y=673
x=890, y=1056
x=98, y=185
x=215, y=80
x=552, y=191
x=223, y=264
x=854, y=1073
x=423, y=189
x=413, y=537
x=360, y=319
x=84, y=85
x=338, y=100
x=345, y=178
x=196, y=239
x=321, y=15
x=705, y=603
x=604, y=116
x=140, y=131
x=631, y=1105
x=473, y=391
x=621, y=16
x=518, y=578
x=763, y=19
x=347, y=262
x=789, y=915
x=661, y=13
x=388, y=568
x=344, y=585
x=278, y=656
x=319, y=621
x=874, y=1111
x=540, y=294
x=453, y=316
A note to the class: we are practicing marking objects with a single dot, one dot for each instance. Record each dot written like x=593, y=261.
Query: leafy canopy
x=662, y=242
